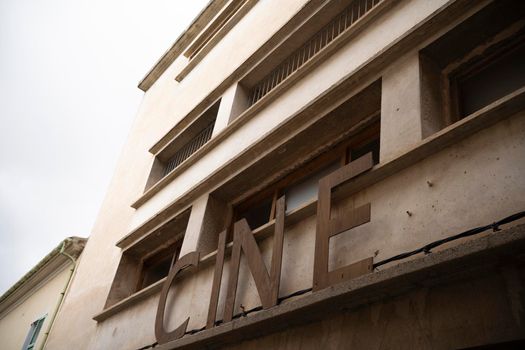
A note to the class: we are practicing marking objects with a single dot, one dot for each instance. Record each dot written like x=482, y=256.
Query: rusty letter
x=267, y=284
x=190, y=259
x=328, y=227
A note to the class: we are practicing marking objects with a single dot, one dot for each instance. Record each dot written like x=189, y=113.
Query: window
x=32, y=336
x=256, y=212
x=489, y=79
x=186, y=143
x=157, y=266
x=148, y=260
x=305, y=189
x=476, y=63
x=301, y=186
x=294, y=164
x=189, y=148
x=310, y=47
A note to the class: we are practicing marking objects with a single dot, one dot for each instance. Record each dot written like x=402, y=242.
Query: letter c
x=190, y=259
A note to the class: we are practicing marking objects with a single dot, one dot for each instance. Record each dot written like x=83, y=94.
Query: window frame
x=470, y=67
x=340, y=153
x=33, y=333
x=156, y=258
x=163, y=242
x=183, y=146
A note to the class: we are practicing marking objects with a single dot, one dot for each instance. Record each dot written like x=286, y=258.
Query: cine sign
x=267, y=282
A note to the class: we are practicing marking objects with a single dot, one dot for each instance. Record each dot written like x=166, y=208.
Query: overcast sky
x=69, y=71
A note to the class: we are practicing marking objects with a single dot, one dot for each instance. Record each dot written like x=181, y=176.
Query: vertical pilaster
x=191, y=237
x=401, y=125
x=233, y=102
x=207, y=219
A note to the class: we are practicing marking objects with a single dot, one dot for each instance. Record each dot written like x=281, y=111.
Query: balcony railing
x=189, y=148
x=316, y=43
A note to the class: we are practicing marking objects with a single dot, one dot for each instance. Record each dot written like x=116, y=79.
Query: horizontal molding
x=467, y=260
x=129, y=301
x=346, y=87
x=52, y=264
x=275, y=40
x=491, y=114
x=48, y=272
x=252, y=111
x=215, y=39
x=185, y=39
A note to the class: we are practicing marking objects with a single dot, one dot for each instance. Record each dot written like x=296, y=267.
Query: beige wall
x=371, y=40
x=14, y=326
x=165, y=103
x=476, y=170
x=466, y=193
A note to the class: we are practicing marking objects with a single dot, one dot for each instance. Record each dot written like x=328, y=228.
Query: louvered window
x=189, y=148
x=312, y=47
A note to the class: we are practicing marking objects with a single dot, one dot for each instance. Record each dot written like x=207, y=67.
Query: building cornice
x=52, y=264
x=183, y=41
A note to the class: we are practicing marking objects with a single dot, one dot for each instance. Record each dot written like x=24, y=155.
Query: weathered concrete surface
x=165, y=103
x=465, y=295
x=475, y=180
x=373, y=39
x=400, y=107
x=481, y=161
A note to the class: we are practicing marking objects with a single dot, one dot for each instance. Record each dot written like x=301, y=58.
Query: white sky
x=69, y=71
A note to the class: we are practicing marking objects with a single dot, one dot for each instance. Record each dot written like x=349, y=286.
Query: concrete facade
x=435, y=177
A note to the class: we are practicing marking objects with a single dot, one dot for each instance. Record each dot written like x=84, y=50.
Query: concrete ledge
x=345, y=88
x=485, y=117
x=471, y=258
x=180, y=44
x=260, y=234
x=252, y=111
x=198, y=54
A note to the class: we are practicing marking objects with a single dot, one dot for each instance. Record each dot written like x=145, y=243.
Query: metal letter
x=328, y=227
x=190, y=259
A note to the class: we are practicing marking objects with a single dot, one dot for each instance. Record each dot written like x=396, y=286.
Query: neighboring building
x=355, y=136
x=29, y=308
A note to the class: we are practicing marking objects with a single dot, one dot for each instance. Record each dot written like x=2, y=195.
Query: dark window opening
x=360, y=151
x=158, y=266
x=301, y=186
x=514, y=344
x=258, y=214
x=189, y=148
x=148, y=260
x=189, y=140
x=491, y=79
x=476, y=63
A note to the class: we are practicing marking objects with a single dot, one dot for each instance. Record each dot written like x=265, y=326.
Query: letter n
x=267, y=283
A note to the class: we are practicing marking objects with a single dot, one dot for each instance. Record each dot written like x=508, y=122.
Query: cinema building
x=317, y=175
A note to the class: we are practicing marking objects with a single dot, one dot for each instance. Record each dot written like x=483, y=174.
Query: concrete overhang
x=472, y=258
x=183, y=41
